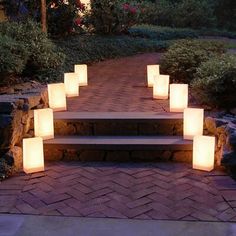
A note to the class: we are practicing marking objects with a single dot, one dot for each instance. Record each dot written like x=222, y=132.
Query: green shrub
x=225, y=11
x=161, y=33
x=184, y=57
x=215, y=81
x=13, y=56
x=40, y=53
x=194, y=14
x=113, y=17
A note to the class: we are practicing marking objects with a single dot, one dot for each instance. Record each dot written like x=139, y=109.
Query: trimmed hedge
x=184, y=57
x=215, y=81
x=162, y=33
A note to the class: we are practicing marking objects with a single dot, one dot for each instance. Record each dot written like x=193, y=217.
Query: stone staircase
x=118, y=136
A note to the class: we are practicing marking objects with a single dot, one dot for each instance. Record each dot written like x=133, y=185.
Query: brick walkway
x=133, y=190
x=170, y=191
x=119, y=85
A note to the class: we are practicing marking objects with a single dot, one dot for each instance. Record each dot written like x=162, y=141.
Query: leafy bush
x=112, y=17
x=35, y=51
x=161, y=33
x=194, y=14
x=225, y=11
x=184, y=57
x=215, y=81
x=13, y=56
x=62, y=18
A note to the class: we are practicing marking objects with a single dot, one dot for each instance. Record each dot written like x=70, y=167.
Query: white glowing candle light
x=193, y=122
x=152, y=71
x=71, y=84
x=178, y=97
x=33, y=156
x=161, y=87
x=57, y=96
x=82, y=72
x=43, y=123
x=203, y=153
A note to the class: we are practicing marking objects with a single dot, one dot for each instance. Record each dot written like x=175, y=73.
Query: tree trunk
x=44, y=15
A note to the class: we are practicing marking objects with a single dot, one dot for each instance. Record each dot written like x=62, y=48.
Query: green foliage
x=161, y=33
x=194, y=14
x=34, y=52
x=13, y=56
x=113, y=17
x=225, y=11
x=184, y=56
x=64, y=18
x=215, y=81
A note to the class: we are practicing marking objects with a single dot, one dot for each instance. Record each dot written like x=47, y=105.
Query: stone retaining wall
x=16, y=123
x=224, y=128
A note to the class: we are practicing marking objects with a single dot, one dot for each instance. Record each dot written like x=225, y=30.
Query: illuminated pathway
x=119, y=85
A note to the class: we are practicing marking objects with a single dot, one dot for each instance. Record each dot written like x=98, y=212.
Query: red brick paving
x=119, y=85
x=141, y=191
x=170, y=191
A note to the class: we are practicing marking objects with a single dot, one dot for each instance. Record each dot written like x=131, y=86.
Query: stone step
x=110, y=148
x=118, y=123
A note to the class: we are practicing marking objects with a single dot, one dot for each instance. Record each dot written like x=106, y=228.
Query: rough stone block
x=182, y=156
x=152, y=155
x=91, y=155
x=84, y=128
x=53, y=154
x=64, y=128
x=115, y=128
x=118, y=156
x=71, y=155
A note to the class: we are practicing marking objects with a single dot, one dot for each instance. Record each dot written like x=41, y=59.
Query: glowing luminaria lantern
x=152, y=71
x=178, y=97
x=43, y=123
x=203, y=152
x=161, y=87
x=82, y=72
x=71, y=84
x=57, y=96
x=33, y=157
x=193, y=122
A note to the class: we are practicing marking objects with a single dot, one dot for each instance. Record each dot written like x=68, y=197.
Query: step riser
x=117, y=155
x=119, y=128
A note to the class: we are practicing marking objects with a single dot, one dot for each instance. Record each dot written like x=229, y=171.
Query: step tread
x=94, y=116
x=142, y=142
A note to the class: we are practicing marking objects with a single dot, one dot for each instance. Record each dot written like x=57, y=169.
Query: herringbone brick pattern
x=141, y=191
x=119, y=85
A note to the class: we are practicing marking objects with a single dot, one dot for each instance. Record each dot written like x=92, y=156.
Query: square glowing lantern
x=57, y=96
x=33, y=156
x=178, y=97
x=161, y=87
x=43, y=123
x=71, y=84
x=152, y=71
x=203, y=153
x=193, y=122
x=82, y=73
